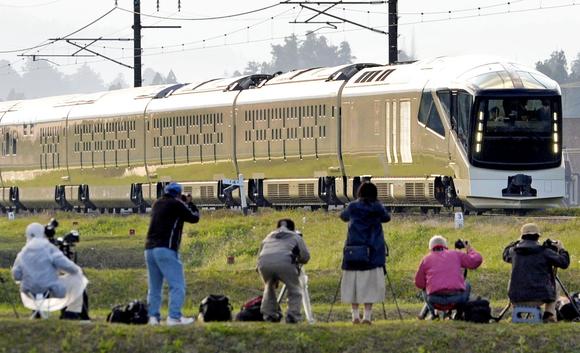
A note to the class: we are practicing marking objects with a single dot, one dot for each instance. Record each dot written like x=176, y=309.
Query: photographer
x=38, y=268
x=281, y=252
x=532, y=281
x=364, y=259
x=161, y=253
x=440, y=273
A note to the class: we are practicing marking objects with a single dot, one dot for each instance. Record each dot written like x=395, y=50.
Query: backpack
x=250, y=311
x=477, y=311
x=567, y=312
x=133, y=313
x=215, y=308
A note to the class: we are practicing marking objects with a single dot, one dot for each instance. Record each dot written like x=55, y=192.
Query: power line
x=207, y=39
x=206, y=45
x=30, y=5
x=45, y=43
x=202, y=18
x=446, y=12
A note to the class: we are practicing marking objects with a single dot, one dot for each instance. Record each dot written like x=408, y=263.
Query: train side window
x=445, y=99
x=428, y=114
x=425, y=107
x=464, y=103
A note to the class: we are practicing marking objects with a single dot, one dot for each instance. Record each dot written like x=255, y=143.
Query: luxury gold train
x=474, y=132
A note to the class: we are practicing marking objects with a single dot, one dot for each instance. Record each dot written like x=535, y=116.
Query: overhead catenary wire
x=45, y=43
x=30, y=5
x=203, y=18
x=183, y=47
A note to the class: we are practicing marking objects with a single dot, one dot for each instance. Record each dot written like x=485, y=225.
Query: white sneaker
x=153, y=321
x=181, y=321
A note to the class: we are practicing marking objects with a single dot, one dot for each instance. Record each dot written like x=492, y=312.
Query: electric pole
x=137, y=81
x=137, y=49
x=393, y=32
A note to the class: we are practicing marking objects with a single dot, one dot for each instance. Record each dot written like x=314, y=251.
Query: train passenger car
x=475, y=132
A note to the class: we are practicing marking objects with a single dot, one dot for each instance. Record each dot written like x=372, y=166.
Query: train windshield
x=517, y=132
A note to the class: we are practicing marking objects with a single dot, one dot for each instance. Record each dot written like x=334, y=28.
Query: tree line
x=556, y=67
x=41, y=78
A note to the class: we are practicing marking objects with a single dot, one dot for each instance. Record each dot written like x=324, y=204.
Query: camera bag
x=357, y=255
x=250, y=311
x=215, y=308
x=477, y=311
x=567, y=312
x=133, y=313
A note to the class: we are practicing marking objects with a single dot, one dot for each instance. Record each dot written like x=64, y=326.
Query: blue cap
x=173, y=189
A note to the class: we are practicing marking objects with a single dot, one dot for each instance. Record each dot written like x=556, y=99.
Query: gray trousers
x=288, y=274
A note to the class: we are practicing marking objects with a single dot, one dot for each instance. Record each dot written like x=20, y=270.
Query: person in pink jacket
x=440, y=274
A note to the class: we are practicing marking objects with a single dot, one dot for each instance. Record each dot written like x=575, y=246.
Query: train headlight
x=556, y=148
x=555, y=137
x=479, y=137
x=478, y=147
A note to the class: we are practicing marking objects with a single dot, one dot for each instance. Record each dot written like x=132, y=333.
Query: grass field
x=113, y=261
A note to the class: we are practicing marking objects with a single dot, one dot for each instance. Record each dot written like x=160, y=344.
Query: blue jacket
x=364, y=228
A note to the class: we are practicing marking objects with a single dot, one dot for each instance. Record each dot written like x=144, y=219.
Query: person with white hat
x=532, y=281
x=38, y=267
x=440, y=274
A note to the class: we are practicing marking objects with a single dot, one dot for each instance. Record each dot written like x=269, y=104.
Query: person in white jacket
x=41, y=268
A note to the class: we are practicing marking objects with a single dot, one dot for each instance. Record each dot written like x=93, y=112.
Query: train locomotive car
x=475, y=132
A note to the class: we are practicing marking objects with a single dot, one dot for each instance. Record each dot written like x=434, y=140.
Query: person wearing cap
x=532, y=281
x=42, y=269
x=168, y=214
x=440, y=274
x=281, y=253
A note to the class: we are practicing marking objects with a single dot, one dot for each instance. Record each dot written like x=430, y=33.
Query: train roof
x=472, y=73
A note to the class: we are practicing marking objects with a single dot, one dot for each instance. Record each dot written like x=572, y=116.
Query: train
x=474, y=132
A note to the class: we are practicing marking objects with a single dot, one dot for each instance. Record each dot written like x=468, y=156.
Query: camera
x=461, y=244
x=50, y=229
x=65, y=243
x=550, y=244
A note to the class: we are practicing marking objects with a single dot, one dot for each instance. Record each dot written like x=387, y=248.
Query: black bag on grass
x=477, y=311
x=567, y=312
x=216, y=308
x=133, y=313
x=250, y=311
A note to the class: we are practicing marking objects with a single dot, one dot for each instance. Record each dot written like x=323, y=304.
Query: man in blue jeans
x=161, y=253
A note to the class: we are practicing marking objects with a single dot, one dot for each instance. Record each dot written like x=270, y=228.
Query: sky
x=523, y=30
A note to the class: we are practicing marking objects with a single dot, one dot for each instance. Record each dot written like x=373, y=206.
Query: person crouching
x=281, y=254
x=440, y=274
x=532, y=281
x=38, y=267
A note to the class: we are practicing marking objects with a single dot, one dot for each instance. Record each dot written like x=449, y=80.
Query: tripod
x=3, y=282
x=564, y=289
x=303, y=279
x=384, y=311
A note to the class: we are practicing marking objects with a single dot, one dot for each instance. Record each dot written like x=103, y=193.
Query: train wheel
x=424, y=210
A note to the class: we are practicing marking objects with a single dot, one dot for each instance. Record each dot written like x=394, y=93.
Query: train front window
x=517, y=132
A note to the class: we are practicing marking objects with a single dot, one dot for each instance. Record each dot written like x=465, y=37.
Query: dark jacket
x=167, y=217
x=364, y=228
x=532, y=277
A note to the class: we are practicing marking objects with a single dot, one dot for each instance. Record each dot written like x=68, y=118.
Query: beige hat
x=437, y=240
x=530, y=229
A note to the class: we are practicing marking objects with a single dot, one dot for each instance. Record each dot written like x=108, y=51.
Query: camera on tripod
x=461, y=244
x=65, y=243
